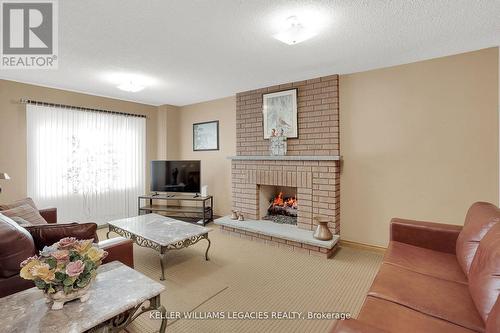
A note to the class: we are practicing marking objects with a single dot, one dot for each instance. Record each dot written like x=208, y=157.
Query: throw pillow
x=22, y=222
x=25, y=201
x=27, y=213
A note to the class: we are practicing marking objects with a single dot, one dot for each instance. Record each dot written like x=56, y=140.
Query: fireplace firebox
x=278, y=204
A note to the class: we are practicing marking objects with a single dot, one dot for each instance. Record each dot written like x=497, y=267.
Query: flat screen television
x=175, y=176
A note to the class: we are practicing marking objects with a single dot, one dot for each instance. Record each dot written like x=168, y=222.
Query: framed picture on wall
x=280, y=113
x=206, y=136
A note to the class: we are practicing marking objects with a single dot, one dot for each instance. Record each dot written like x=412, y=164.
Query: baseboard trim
x=362, y=246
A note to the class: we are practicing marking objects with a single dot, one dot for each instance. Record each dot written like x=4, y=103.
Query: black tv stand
x=172, y=207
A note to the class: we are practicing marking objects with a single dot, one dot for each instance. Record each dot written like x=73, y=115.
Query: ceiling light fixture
x=131, y=86
x=129, y=82
x=294, y=32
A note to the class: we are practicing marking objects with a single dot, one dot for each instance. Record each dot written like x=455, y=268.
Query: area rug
x=255, y=287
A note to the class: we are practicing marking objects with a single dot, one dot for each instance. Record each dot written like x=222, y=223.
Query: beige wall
x=215, y=167
x=167, y=132
x=419, y=141
x=13, y=127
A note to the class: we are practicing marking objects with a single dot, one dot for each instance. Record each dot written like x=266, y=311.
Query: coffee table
x=160, y=233
x=118, y=295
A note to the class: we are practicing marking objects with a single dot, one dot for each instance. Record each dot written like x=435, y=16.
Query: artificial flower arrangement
x=64, y=270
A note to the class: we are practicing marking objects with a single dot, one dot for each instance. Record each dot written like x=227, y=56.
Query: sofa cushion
x=395, y=318
x=25, y=201
x=425, y=261
x=27, y=213
x=480, y=218
x=22, y=222
x=16, y=244
x=446, y=300
x=45, y=235
x=493, y=323
x=484, y=274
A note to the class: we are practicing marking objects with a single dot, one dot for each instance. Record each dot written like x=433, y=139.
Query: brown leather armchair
x=18, y=243
x=436, y=278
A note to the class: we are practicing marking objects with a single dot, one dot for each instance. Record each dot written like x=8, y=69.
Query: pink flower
x=67, y=242
x=75, y=268
x=61, y=255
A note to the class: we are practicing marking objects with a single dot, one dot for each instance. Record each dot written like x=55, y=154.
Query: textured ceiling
x=200, y=50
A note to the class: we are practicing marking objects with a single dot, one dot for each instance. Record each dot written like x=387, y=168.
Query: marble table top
x=160, y=229
x=116, y=289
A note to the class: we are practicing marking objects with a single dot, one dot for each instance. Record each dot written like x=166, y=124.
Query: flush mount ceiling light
x=129, y=82
x=294, y=32
x=131, y=86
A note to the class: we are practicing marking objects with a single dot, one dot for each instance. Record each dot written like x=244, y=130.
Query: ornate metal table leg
x=208, y=247
x=107, y=234
x=163, y=257
x=163, y=312
x=121, y=321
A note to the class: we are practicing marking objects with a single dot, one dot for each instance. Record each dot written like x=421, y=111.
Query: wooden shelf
x=161, y=204
x=173, y=197
x=174, y=209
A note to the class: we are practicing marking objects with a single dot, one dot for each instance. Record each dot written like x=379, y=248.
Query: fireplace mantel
x=285, y=158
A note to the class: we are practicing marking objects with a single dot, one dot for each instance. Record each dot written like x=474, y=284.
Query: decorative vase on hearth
x=322, y=232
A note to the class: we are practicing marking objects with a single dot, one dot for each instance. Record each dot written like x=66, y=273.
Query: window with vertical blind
x=88, y=164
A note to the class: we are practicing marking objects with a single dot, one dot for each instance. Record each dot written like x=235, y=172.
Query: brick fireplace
x=312, y=164
x=317, y=184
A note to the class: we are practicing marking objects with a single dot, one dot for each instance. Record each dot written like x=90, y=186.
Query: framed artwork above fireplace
x=279, y=111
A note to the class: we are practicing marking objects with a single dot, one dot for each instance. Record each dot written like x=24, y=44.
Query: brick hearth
x=279, y=235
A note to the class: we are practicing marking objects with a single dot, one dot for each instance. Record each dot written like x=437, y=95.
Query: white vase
x=278, y=145
x=60, y=297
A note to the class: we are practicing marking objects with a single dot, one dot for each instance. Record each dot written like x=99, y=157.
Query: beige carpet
x=245, y=275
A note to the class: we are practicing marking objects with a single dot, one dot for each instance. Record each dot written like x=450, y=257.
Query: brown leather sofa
x=18, y=243
x=436, y=278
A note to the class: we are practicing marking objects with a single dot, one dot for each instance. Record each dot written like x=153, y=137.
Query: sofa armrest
x=354, y=326
x=434, y=236
x=49, y=214
x=120, y=249
x=47, y=234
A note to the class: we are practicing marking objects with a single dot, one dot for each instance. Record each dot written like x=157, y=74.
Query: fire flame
x=280, y=201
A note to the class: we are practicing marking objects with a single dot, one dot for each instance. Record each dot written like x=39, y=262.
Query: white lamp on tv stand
x=204, y=191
